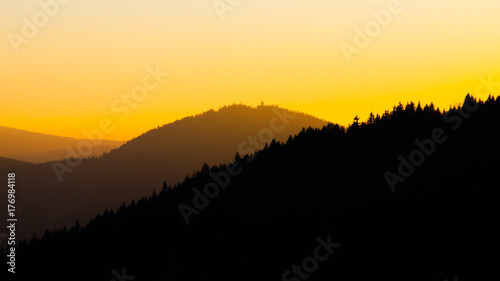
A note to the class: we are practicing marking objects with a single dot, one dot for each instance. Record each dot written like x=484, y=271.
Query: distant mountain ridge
x=39, y=148
x=170, y=153
x=12, y=163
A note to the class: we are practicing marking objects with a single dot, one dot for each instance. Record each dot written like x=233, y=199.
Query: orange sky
x=65, y=75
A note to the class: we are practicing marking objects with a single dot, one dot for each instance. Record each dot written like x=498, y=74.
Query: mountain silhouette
x=8, y=163
x=39, y=148
x=55, y=194
x=409, y=195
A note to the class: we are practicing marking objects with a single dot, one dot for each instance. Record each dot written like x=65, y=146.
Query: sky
x=68, y=65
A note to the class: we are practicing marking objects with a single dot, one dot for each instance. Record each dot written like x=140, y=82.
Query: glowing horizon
x=66, y=78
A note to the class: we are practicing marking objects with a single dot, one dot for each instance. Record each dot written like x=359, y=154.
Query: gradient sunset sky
x=283, y=52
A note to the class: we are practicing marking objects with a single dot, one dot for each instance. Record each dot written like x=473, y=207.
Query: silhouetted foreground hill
x=40, y=148
x=410, y=195
x=134, y=170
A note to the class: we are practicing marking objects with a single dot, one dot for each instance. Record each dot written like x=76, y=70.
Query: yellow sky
x=84, y=55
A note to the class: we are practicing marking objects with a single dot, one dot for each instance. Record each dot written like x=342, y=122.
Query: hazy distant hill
x=167, y=153
x=39, y=148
